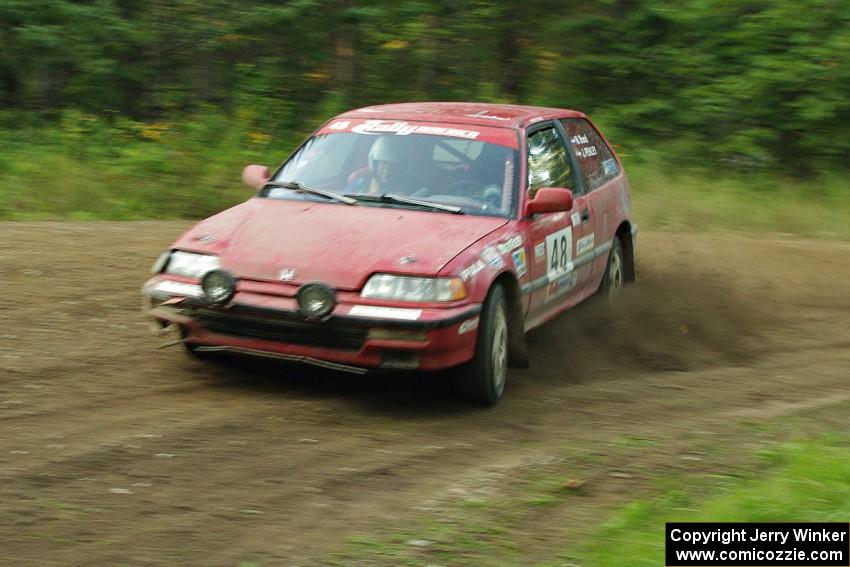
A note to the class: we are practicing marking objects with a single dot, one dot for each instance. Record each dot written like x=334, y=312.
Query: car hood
x=337, y=244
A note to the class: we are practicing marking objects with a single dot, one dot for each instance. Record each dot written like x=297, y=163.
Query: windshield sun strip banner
x=379, y=127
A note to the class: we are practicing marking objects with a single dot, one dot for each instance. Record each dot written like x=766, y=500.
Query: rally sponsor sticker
x=584, y=244
x=561, y=286
x=493, y=258
x=539, y=250
x=575, y=218
x=388, y=127
x=471, y=270
x=518, y=257
x=402, y=128
x=512, y=243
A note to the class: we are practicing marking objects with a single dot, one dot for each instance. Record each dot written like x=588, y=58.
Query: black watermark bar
x=805, y=544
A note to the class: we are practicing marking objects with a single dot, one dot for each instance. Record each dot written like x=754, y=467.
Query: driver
x=387, y=169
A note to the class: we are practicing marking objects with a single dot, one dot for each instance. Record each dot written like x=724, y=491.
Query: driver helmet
x=386, y=160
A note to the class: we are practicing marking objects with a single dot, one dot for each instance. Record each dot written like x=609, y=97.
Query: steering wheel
x=492, y=195
x=484, y=196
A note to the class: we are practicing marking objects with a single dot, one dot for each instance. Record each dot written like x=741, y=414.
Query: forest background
x=728, y=114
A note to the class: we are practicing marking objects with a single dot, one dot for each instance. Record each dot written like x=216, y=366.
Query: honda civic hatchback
x=419, y=236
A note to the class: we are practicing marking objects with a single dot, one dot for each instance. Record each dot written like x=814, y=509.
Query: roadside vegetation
x=86, y=168
x=667, y=197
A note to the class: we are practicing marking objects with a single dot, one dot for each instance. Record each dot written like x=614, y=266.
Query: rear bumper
x=355, y=338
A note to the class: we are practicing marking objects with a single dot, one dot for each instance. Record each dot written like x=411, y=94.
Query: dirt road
x=113, y=452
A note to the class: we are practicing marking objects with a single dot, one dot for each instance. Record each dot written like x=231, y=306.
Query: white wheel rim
x=500, y=351
x=615, y=274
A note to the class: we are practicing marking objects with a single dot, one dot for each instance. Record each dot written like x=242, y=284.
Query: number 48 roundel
x=559, y=252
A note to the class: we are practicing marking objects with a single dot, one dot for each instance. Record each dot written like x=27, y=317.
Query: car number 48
x=559, y=253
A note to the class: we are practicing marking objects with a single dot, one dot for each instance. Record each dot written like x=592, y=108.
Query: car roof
x=481, y=114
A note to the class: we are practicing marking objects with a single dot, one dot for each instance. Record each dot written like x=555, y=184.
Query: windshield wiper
x=295, y=186
x=390, y=198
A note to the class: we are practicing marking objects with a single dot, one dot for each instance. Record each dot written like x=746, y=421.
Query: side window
x=594, y=157
x=548, y=164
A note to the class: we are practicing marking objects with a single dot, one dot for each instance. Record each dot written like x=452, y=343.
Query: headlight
x=190, y=264
x=405, y=288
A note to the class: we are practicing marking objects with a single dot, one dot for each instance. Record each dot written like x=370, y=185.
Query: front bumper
x=356, y=337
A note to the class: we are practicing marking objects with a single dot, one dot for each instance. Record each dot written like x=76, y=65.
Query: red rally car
x=414, y=236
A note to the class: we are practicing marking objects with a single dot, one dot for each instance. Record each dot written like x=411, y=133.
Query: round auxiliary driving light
x=219, y=286
x=316, y=300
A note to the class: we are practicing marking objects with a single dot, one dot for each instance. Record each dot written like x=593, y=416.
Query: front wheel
x=483, y=380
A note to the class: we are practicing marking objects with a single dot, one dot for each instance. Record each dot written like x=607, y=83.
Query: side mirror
x=256, y=176
x=550, y=200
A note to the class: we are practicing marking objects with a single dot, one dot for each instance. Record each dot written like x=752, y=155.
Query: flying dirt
x=117, y=452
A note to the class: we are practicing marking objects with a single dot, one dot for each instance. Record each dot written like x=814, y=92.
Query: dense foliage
x=752, y=82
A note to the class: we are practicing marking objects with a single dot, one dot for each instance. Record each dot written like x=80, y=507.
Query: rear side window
x=548, y=164
x=594, y=157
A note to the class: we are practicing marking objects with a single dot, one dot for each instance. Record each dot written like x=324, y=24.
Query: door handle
x=585, y=216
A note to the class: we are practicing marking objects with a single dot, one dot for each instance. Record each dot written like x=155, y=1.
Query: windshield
x=477, y=176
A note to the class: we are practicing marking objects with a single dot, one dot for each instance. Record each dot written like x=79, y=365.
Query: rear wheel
x=483, y=380
x=614, y=278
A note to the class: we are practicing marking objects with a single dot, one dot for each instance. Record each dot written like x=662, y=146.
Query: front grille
x=281, y=330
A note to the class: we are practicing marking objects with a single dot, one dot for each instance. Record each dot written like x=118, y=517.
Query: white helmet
x=385, y=148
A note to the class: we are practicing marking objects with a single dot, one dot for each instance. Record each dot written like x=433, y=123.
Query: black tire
x=614, y=278
x=482, y=381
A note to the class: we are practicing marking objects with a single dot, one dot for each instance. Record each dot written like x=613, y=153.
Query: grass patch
x=801, y=482
x=90, y=169
x=739, y=202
